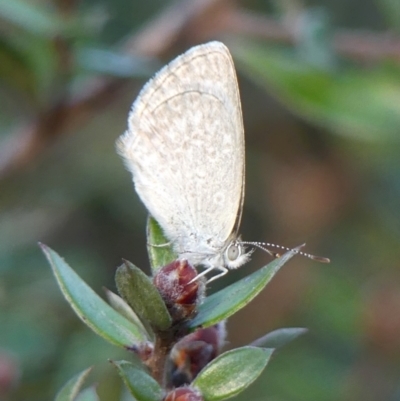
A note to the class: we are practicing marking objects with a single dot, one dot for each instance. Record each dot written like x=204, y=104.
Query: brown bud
x=180, y=293
x=184, y=394
x=192, y=353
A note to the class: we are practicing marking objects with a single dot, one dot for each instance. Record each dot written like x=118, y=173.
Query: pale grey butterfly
x=185, y=149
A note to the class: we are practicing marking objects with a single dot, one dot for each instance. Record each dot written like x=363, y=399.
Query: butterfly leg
x=223, y=272
x=203, y=273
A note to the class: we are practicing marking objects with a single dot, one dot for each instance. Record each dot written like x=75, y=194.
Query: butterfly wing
x=185, y=148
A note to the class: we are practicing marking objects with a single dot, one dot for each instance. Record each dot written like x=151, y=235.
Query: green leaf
x=231, y=372
x=140, y=384
x=72, y=387
x=158, y=247
x=279, y=338
x=139, y=292
x=225, y=303
x=89, y=394
x=29, y=17
x=328, y=99
x=125, y=310
x=93, y=311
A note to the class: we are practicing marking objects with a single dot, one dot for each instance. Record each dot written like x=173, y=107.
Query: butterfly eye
x=234, y=251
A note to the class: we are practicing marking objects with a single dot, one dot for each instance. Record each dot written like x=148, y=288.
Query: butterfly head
x=235, y=255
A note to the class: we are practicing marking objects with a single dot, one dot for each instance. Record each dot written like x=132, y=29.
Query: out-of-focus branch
x=363, y=46
x=178, y=27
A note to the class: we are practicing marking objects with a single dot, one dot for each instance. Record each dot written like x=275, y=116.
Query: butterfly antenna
x=264, y=245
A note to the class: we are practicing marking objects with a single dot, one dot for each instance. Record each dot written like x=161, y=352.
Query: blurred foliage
x=323, y=166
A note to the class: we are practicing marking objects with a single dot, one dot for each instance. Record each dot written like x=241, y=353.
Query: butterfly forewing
x=185, y=148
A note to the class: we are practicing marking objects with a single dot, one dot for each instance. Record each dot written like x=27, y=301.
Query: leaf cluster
x=142, y=321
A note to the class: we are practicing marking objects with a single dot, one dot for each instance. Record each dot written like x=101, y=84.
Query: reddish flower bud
x=191, y=354
x=183, y=394
x=180, y=293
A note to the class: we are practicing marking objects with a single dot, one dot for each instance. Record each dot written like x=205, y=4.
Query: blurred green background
x=320, y=88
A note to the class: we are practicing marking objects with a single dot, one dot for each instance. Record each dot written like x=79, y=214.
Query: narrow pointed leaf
x=125, y=310
x=140, y=384
x=279, y=338
x=139, y=292
x=93, y=310
x=225, y=303
x=158, y=247
x=231, y=372
x=72, y=387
